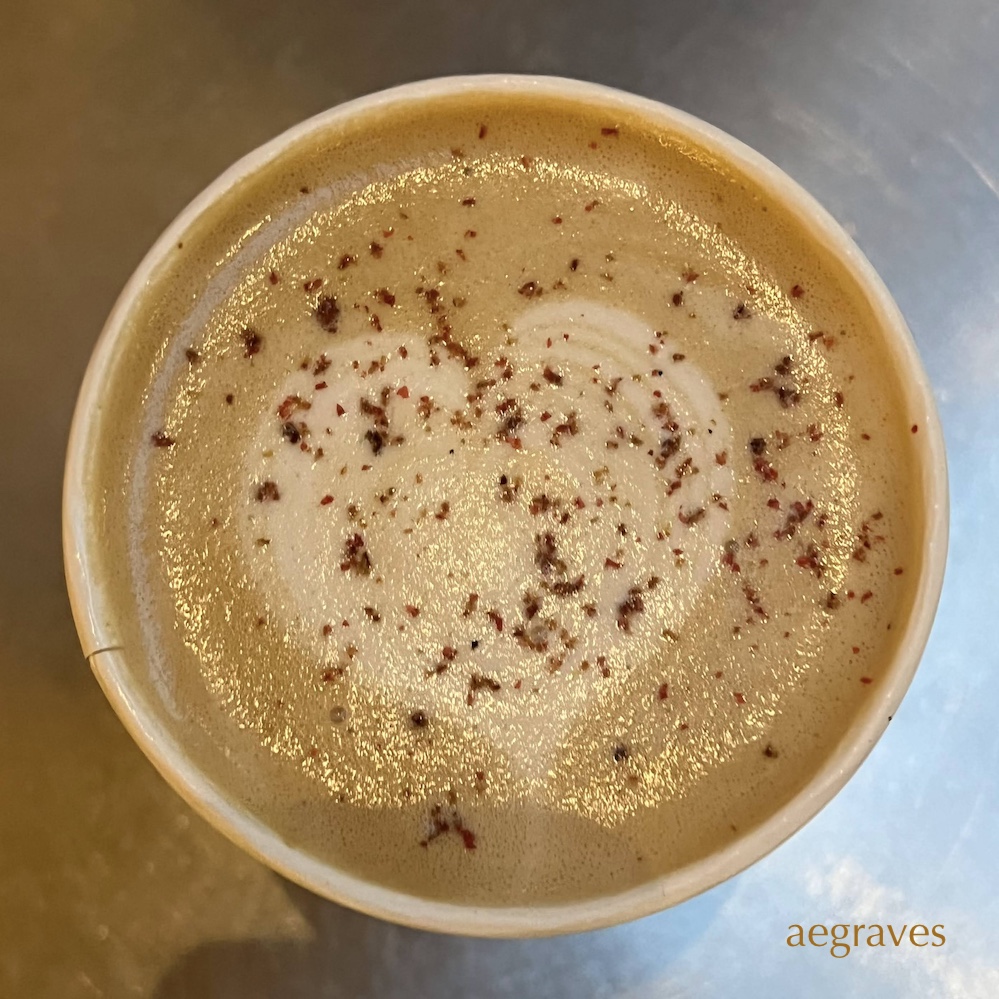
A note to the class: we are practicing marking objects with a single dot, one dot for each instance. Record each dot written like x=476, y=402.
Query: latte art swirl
x=493, y=542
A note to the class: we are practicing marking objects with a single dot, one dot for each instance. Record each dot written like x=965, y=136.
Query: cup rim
x=93, y=607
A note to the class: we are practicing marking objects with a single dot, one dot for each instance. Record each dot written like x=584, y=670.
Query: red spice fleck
x=319, y=386
x=557, y=220
x=856, y=649
x=899, y=571
x=530, y=289
x=551, y=376
x=691, y=518
x=629, y=607
x=377, y=249
x=268, y=491
x=773, y=503
x=589, y=207
x=797, y=291
x=798, y=513
x=477, y=682
x=385, y=296
x=728, y=559
x=609, y=563
x=356, y=557
x=663, y=691
x=412, y=611
x=161, y=439
x=496, y=619
x=468, y=837
x=574, y=263
x=312, y=285
x=721, y=458
x=192, y=355
x=810, y=560
x=251, y=341
x=678, y=298
x=864, y=597
x=340, y=410
x=273, y=277
x=291, y=404
x=229, y=399
x=345, y=261
x=866, y=679
x=753, y=598
x=482, y=131
x=327, y=629
x=915, y=428
x=327, y=313
x=739, y=698
x=468, y=202
x=765, y=470
x=839, y=398
x=609, y=130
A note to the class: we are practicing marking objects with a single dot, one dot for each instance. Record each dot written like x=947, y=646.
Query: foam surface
x=514, y=500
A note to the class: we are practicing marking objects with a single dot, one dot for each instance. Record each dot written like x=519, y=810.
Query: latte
x=509, y=499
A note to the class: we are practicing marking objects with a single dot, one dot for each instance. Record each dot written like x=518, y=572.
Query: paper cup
x=96, y=605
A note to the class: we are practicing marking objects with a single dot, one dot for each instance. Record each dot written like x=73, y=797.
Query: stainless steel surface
x=114, y=115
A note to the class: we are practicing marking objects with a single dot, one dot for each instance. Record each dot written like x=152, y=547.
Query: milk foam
x=452, y=575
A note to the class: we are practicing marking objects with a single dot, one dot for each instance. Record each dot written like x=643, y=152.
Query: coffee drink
x=508, y=497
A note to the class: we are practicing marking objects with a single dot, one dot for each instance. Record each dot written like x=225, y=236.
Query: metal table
x=114, y=115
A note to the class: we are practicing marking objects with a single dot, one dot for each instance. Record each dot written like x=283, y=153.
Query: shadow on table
x=354, y=955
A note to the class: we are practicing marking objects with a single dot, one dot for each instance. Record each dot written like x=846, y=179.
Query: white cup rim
x=93, y=606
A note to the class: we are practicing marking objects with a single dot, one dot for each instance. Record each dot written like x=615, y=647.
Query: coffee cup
x=100, y=594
